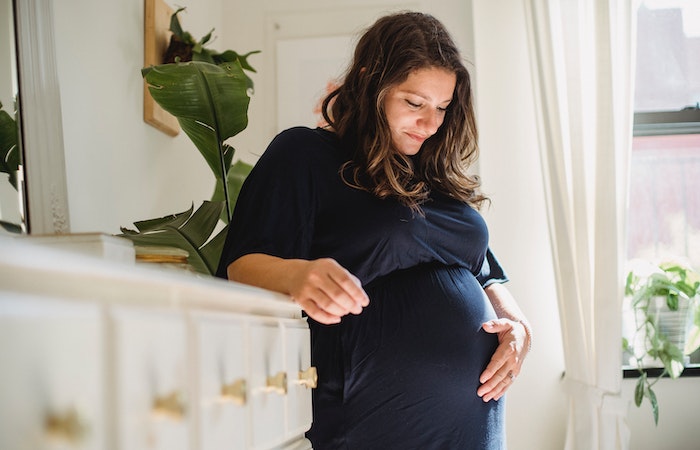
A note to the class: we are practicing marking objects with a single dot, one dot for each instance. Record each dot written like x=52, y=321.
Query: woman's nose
x=431, y=121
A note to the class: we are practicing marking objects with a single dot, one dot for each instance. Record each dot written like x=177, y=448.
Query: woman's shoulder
x=303, y=143
x=303, y=134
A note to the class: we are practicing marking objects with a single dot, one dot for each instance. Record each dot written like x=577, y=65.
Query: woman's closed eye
x=414, y=105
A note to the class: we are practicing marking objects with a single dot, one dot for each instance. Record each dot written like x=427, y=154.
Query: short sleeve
x=274, y=210
x=491, y=271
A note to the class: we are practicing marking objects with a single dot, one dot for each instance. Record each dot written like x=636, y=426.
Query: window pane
x=668, y=55
x=664, y=209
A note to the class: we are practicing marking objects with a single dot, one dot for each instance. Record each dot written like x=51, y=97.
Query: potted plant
x=209, y=96
x=9, y=158
x=662, y=323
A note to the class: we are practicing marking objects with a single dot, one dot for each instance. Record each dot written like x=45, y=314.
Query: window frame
x=665, y=123
x=662, y=123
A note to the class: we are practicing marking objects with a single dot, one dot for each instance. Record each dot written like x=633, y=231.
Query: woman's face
x=415, y=109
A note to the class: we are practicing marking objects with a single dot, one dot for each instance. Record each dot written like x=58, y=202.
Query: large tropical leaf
x=186, y=230
x=209, y=101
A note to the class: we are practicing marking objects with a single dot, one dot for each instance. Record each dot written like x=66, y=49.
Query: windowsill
x=692, y=370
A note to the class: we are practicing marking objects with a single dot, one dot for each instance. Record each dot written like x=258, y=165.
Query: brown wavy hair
x=394, y=46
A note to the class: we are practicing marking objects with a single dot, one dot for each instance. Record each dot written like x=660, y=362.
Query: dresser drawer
x=152, y=380
x=268, y=384
x=220, y=345
x=302, y=377
x=51, y=367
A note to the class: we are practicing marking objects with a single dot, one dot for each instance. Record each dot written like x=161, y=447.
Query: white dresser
x=97, y=354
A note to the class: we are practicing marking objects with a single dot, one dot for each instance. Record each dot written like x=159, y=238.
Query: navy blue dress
x=403, y=374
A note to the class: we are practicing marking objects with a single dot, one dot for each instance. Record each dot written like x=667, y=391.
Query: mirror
x=43, y=163
x=11, y=177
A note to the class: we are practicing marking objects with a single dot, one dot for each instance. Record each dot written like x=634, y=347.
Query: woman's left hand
x=506, y=362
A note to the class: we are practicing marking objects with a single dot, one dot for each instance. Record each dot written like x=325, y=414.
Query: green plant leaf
x=693, y=342
x=200, y=226
x=654, y=404
x=176, y=28
x=203, y=54
x=639, y=389
x=9, y=148
x=209, y=101
x=236, y=176
x=211, y=104
x=212, y=251
x=629, y=283
x=191, y=235
x=11, y=227
x=206, y=38
x=230, y=55
x=626, y=344
x=173, y=220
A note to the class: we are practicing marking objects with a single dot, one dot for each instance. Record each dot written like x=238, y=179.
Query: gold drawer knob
x=170, y=406
x=65, y=427
x=309, y=377
x=235, y=392
x=277, y=383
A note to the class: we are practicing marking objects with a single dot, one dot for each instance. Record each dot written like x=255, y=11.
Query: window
x=664, y=205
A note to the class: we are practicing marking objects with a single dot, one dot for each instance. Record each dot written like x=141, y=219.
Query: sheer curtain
x=582, y=54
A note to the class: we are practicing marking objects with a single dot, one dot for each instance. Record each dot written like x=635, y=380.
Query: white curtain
x=582, y=54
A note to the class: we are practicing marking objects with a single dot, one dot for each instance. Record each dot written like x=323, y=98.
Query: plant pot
x=675, y=325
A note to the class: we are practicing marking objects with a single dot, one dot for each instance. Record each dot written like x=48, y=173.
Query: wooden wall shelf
x=156, y=39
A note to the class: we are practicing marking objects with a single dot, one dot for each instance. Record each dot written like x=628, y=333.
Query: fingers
x=505, y=363
x=316, y=313
x=327, y=291
x=495, y=387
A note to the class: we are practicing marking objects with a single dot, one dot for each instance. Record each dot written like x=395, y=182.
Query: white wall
x=679, y=410
x=119, y=168
x=509, y=167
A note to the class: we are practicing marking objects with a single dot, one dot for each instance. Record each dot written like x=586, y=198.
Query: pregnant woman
x=371, y=225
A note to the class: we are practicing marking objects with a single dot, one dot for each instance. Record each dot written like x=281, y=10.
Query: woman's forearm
x=322, y=287
x=265, y=271
x=505, y=306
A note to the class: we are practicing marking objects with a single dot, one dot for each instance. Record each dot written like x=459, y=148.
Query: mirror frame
x=46, y=192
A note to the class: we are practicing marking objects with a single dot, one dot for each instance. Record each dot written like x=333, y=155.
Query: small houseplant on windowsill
x=662, y=323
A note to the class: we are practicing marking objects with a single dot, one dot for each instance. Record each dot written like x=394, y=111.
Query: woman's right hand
x=324, y=289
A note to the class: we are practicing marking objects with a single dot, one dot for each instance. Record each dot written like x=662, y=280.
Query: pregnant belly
x=409, y=363
x=431, y=312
